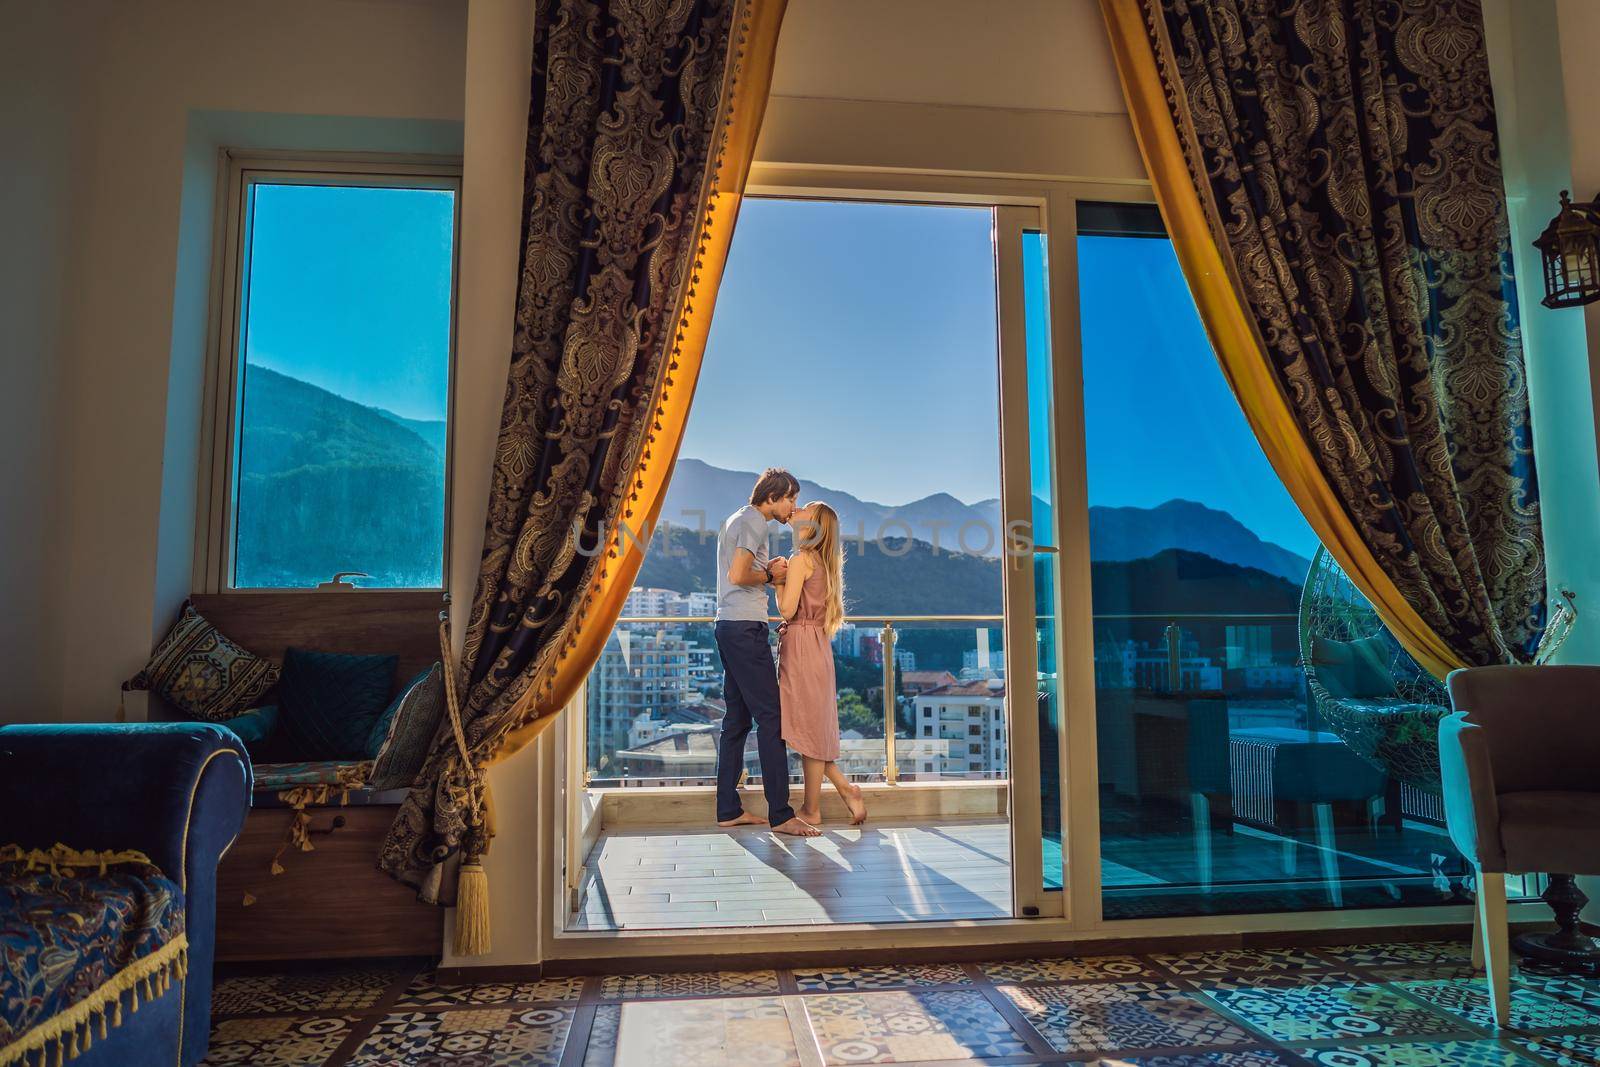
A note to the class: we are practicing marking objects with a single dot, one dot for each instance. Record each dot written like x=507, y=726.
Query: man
x=750, y=680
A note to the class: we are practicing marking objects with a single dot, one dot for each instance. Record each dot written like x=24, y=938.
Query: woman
x=811, y=601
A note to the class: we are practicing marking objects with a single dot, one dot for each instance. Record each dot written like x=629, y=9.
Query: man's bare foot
x=810, y=816
x=744, y=819
x=857, y=805
x=796, y=828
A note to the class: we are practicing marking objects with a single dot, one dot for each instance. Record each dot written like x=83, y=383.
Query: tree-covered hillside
x=326, y=485
x=909, y=578
x=896, y=577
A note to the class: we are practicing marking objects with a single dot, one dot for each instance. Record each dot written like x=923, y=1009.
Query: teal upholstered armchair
x=1520, y=766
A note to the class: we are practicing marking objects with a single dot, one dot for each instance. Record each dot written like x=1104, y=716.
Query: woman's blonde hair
x=821, y=536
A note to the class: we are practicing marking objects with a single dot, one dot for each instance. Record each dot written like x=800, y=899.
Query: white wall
x=41, y=110
x=1526, y=64
x=1035, y=55
x=113, y=326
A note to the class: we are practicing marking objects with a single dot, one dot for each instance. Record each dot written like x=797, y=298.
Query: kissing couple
x=794, y=706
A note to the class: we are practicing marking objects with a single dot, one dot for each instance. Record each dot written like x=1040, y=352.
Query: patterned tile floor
x=1394, y=1005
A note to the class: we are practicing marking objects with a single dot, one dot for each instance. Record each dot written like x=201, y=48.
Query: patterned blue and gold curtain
x=1330, y=172
x=641, y=129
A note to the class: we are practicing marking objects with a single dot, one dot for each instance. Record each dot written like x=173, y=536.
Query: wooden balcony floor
x=682, y=879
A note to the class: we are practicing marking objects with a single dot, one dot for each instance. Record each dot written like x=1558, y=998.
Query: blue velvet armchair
x=176, y=792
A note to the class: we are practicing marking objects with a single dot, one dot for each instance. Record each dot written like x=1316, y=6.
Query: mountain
x=702, y=496
x=1115, y=534
x=1183, y=582
x=432, y=431
x=897, y=577
x=908, y=578
x=1137, y=533
x=326, y=484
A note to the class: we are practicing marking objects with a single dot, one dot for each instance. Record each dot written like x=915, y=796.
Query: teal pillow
x=404, y=733
x=329, y=701
x=1353, y=669
x=255, y=725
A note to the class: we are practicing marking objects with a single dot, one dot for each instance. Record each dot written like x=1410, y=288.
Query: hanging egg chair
x=1362, y=685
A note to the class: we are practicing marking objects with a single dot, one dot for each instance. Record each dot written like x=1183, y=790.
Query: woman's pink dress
x=808, y=698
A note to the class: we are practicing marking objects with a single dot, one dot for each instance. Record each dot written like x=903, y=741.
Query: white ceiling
x=1047, y=55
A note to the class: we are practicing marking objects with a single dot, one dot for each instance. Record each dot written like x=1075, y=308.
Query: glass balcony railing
x=921, y=698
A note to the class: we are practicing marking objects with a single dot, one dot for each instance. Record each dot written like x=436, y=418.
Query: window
x=330, y=435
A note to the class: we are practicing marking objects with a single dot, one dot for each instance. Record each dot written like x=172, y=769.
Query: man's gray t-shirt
x=745, y=529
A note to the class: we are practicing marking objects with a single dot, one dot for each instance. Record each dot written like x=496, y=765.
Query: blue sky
x=1159, y=419
x=350, y=290
x=880, y=321
x=853, y=343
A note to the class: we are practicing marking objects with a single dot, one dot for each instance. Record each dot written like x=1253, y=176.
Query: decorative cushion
x=346, y=774
x=254, y=726
x=202, y=673
x=1357, y=668
x=329, y=701
x=81, y=933
x=404, y=733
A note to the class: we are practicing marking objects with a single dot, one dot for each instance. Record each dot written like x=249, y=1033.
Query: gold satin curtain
x=1330, y=177
x=642, y=125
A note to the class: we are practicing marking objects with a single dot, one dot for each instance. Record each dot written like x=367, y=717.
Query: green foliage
x=328, y=485
x=855, y=714
x=895, y=577
x=859, y=675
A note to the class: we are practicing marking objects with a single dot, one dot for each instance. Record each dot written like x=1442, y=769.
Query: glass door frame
x=1017, y=452
x=1053, y=202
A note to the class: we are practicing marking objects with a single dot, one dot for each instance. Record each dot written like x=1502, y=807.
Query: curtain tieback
x=472, y=882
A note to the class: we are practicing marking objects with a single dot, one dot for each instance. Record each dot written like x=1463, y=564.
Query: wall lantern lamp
x=1570, y=246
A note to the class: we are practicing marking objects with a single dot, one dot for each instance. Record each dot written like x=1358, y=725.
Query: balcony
x=1194, y=712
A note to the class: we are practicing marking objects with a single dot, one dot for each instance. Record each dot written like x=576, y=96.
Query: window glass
x=1220, y=789
x=856, y=344
x=344, y=366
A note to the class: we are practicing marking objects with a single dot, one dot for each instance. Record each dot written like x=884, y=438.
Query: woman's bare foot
x=857, y=805
x=744, y=819
x=797, y=828
x=810, y=816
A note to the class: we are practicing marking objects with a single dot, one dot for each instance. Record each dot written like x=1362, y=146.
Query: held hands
x=778, y=567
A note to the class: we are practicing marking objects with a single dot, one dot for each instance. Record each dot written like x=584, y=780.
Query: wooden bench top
x=405, y=624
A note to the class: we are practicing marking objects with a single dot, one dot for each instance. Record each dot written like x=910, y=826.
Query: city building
x=1139, y=665
x=705, y=667
x=968, y=720
x=647, y=728
x=913, y=681
x=652, y=603
x=643, y=671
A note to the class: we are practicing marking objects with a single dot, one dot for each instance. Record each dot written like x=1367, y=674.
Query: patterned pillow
x=404, y=734
x=329, y=701
x=202, y=673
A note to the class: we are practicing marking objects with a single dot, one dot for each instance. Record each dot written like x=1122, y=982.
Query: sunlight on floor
x=673, y=879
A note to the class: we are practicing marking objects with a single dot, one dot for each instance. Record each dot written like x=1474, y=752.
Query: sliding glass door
x=1220, y=790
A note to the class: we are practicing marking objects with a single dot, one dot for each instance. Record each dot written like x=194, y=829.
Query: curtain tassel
x=472, y=910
